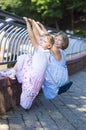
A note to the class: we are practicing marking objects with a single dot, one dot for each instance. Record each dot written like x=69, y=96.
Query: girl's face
x=59, y=42
x=45, y=43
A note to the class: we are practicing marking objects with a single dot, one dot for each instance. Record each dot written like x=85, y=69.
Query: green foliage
x=46, y=11
x=10, y=4
x=78, y=5
x=19, y=7
x=48, y=8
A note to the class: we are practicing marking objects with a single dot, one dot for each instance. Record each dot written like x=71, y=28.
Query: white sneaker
x=9, y=73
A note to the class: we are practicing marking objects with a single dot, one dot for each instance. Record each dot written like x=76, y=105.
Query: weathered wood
x=10, y=91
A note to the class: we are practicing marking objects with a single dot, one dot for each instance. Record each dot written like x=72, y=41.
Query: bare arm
x=42, y=27
x=37, y=27
x=31, y=33
x=36, y=30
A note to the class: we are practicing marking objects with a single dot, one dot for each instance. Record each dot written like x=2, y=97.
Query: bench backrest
x=14, y=39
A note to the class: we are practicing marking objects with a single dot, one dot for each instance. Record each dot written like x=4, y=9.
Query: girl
x=30, y=69
x=56, y=73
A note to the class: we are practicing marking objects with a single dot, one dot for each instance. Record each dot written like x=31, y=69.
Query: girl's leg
x=10, y=72
x=26, y=100
x=27, y=97
x=30, y=89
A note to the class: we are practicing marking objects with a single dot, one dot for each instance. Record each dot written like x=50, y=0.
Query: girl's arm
x=42, y=27
x=31, y=33
x=37, y=30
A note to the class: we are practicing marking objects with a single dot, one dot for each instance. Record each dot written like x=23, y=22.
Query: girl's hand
x=25, y=19
x=28, y=21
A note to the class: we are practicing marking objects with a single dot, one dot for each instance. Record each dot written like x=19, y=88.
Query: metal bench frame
x=14, y=41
